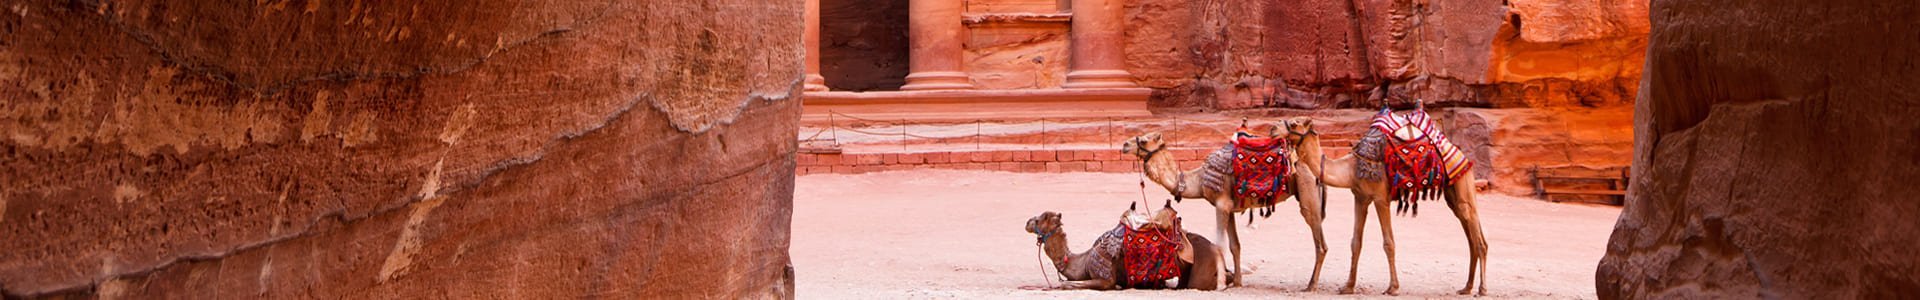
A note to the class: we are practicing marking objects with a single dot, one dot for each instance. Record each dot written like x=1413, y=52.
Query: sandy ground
x=959, y=234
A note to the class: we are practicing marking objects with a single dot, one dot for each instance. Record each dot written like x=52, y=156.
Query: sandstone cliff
x=466, y=149
x=1351, y=53
x=1775, y=154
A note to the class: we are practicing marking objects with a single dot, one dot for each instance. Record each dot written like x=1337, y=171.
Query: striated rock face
x=1775, y=154
x=1506, y=143
x=1352, y=53
x=479, y=149
x=1556, y=53
x=1016, y=50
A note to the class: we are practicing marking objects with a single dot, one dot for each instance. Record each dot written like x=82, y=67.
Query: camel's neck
x=1307, y=149
x=1165, y=170
x=1056, y=248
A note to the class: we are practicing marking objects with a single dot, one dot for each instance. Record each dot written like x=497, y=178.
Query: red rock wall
x=1775, y=154
x=1350, y=53
x=478, y=149
x=1005, y=51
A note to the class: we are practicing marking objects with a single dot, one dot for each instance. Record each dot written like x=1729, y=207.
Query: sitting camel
x=1213, y=181
x=1101, y=268
x=1364, y=173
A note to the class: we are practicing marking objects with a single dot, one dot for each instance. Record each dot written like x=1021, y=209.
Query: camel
x=1100, y=268
x=1212, y=182
x=1372, y=190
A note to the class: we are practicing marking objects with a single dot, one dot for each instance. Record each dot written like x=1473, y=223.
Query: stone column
x=815, y=82
x=1097, y=46
x=935, y=52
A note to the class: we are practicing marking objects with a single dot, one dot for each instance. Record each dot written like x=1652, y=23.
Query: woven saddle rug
x=1260, y=170
x=1420, y=160
x=1149, y=254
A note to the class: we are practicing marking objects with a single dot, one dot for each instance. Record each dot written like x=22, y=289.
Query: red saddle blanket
x=1413, y=168
x=1150, y=255
x=1260, y=169
x=1419, y=159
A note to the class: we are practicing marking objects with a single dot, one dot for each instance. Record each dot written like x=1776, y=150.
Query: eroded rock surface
x=1352, y=53
x=474, y=149
x=1775, y=154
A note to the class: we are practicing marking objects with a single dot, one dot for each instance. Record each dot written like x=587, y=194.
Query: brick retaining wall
x=1052, y=161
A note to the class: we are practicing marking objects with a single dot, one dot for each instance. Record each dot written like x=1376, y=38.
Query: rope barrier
x=978, y=136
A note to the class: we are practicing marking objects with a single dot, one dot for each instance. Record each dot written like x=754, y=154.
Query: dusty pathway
x=958, y=234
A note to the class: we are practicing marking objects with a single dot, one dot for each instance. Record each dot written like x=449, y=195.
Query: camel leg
x=1460, y=199
x=1386, y=236
x=1310, y=211
x=1232, y=238
x=1360, y=204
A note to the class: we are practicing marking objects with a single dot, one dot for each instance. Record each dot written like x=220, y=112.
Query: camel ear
x=1133, y=206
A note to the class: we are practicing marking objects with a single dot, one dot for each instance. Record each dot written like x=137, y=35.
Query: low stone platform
x=969, y=105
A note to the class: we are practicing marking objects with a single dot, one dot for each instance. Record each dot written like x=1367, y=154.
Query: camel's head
x=1305, y=141
x=1298, y=128
x=1143, y=146
x=1044, y=226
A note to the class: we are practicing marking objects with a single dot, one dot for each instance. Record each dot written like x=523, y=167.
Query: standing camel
x=1212, y=181
x=1362, y=172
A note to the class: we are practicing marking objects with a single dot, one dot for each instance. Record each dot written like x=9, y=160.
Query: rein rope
x=1179, y=185
x=1041, y=258
x=1040, y=255
x=1143, y=182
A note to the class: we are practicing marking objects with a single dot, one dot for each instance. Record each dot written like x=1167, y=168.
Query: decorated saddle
x=1260, y=169
x=1149, y=254
x=1419, y=161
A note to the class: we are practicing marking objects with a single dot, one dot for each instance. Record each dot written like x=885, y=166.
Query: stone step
x=1010, y=160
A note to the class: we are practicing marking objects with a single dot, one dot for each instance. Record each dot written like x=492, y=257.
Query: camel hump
x=1218, y=170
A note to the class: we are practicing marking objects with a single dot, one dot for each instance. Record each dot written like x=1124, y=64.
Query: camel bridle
x=1041, y=237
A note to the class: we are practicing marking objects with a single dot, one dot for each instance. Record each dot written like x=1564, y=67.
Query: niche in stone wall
x=863, y=44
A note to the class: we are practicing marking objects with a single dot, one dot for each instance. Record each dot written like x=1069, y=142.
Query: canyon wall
x=471, y=149
x=1775, y=154
x=1312, y=54
x=1335, y=54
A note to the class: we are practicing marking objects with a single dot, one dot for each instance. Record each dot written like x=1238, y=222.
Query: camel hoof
x=1346, y=291
x=1308, y=289
x=1392, y=291
x=1483, y=292
x=1465, y=291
